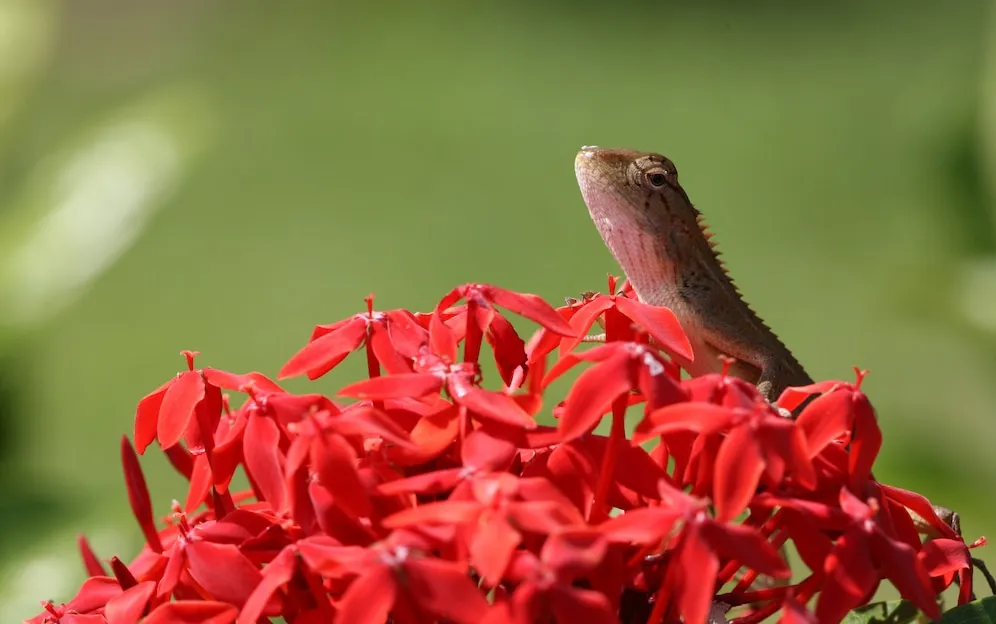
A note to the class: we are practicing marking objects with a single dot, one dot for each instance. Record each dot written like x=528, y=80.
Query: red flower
x=739, y=446
x=438, y=498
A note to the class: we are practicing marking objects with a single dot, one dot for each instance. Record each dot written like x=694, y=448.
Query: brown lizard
x=662, y=245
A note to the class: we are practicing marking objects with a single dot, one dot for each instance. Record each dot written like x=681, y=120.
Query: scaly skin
x=659, y=240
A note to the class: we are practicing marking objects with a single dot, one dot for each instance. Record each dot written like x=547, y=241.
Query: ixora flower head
x=432, y=497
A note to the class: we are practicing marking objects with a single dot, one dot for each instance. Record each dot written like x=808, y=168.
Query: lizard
x=666, y=251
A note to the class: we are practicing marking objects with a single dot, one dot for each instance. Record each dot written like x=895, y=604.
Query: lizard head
x=642, y=213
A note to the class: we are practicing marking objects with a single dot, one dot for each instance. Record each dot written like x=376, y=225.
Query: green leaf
x=978, y=612
x=891, y=612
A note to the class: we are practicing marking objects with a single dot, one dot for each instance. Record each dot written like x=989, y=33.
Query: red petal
x=851, y=578
x=138, y=495
x=575, y=552
x=323, y=354
x=276, y=574
x=387, y=354
x=90, y=560
x=573, y=604
x=865, y=441
x=584, y=317
x=702, y=418
x=900, y=564
x=661, y=324
x=531, y=307
x=335, y=462
x=371, y=422
x=94, y=594
x=944, y=556
x=414, y=385
x=193, y=612
x=406, y=334
x=746, y=545
x=147, y=416
x=495, y=406
x=442, y=339
x=129, y=606
x=178, y=406
x=223, y=571
x=440, y=512
x=509, y=350
x=491, y=550
x=369, y=597
x=645, y=525
x=481, y=451
x=920, y=505
x=697, y=578
x=592, y=395
x=230, y=381
x=826, y=419
x=793, y=397
x=436, y=482
x=738, y=468
x=261, y=448
x=445, y=590
x=434, y=433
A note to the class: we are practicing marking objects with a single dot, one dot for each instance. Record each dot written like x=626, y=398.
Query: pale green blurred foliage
x=221, y=176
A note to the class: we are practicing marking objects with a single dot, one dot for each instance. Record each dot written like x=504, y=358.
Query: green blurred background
x=222, y=176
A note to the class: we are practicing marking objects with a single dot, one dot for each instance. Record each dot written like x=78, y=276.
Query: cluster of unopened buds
x=430, y=498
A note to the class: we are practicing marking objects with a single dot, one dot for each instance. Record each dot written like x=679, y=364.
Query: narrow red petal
x=263, y=459
x=645, y=525
x=138, y=495
x=508, y=347
x=323, y=354
x=495, y=406
x=699, y=566
x=531, y=307
x=178, y=406
x=440, y=512
x=414, y=385
x=866, y=440
x=90, y=560
x=147, y=417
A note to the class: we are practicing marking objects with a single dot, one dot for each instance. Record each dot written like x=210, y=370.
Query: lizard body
x=662, y=245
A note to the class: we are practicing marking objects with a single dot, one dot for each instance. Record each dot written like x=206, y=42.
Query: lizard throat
x=640, y=257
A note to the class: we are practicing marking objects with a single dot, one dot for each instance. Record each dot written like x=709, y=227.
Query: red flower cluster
x=433, y=499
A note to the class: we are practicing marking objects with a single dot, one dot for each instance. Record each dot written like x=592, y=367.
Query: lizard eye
x=657, y=178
